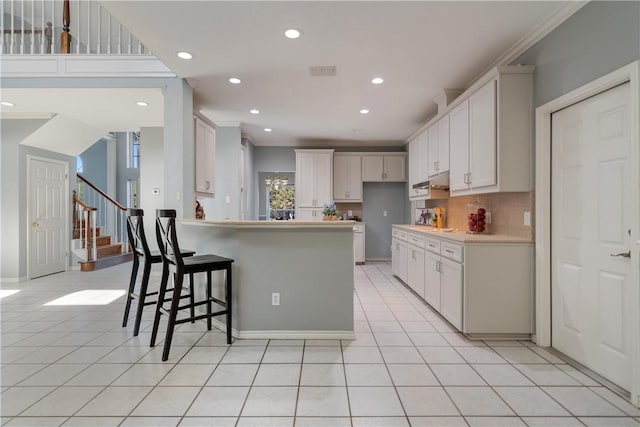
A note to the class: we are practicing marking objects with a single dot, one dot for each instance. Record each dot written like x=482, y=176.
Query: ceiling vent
x=323, y=70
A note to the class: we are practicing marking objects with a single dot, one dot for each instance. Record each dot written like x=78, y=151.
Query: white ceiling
x=418, y=47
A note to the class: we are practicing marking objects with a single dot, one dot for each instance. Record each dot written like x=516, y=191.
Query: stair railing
x=84, y=227
x=34, y=27
x=110, y=216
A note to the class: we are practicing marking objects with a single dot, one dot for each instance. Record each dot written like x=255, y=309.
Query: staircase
x=99, y=228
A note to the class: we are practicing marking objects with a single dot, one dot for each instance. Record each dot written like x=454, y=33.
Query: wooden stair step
x=106, y=262
x=77, y=234
x=109, y=250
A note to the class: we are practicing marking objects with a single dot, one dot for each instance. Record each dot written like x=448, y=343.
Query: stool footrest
x=199, y=317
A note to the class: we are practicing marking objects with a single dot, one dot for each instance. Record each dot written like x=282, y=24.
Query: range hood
x=439, y=182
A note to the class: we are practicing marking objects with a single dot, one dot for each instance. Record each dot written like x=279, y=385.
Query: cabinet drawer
x=452, y=251
x=416, y=240
x=432, y=245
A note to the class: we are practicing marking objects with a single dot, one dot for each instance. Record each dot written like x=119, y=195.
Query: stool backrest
x=167, y=239
x=135, y=231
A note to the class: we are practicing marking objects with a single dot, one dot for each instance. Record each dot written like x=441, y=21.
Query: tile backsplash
x=507, y=212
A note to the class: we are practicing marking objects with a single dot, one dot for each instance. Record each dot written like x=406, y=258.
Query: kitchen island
x=308, y=265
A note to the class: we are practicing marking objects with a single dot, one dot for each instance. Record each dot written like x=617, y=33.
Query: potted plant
x=330, y=213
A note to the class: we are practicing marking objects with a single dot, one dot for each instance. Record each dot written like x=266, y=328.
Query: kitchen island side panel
x=310, y=267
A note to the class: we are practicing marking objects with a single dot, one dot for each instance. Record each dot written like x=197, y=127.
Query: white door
x=47, y=217
x=451, y=298
x=591, y=225
x=443, y=144
x=372, y=168
x=432, y=280
x=433, y=144
x=422, y=164
x=324, y=178
x=305, y=179
x=355, y=178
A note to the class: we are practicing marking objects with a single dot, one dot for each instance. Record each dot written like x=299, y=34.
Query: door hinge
x=66, y=176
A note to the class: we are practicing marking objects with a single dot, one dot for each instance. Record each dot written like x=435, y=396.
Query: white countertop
x=270, y=224
x=462, y=236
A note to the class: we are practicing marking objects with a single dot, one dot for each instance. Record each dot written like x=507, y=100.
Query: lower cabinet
x=358, y=243
x=484, y=289
x=415, y=269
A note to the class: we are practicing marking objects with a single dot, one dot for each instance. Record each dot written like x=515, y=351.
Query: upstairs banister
x=102, y=193
x=65, y=37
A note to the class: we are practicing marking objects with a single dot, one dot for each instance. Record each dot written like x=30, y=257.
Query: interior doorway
x=47, y=206
x=587, y=216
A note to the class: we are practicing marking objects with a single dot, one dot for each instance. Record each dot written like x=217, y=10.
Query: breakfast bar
x=291, y=279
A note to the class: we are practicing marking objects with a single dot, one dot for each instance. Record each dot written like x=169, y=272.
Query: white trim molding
x=629, y=73
x=285, y=335
x=20, y=66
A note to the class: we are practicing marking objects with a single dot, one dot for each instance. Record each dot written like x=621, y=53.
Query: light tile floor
x=76, y=366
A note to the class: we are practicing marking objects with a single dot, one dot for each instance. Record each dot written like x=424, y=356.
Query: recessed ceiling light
x=267, y=129
x=377, y=80
x=254, y=111
x=7, y=103
x=292, y=33
x=142, y=103
x=184, y=55
x=235, y=80
x=364, y=111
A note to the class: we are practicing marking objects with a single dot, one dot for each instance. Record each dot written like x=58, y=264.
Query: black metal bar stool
x=140, y=249
x=179, y=266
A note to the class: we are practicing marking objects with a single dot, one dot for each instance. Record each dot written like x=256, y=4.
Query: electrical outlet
x=227, y=199
x=275, y=298
x=384, y=213
x=178, y=195
x=527, y=218
x=487, y=217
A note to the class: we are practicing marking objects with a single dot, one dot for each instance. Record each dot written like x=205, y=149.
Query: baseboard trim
x=298, y=335
x=378, y=259
x=13, y=279
x=284, y=335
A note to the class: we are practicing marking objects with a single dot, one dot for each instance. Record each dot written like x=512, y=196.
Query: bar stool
x=140, y=249
x=179, y=266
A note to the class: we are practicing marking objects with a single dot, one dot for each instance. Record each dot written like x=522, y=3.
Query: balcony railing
x=35, y=27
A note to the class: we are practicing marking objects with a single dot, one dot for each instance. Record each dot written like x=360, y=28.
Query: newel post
x=65, y=37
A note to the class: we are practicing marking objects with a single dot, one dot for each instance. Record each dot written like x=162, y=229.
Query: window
x=281, y=202
x=132, y=193
x=133, y=144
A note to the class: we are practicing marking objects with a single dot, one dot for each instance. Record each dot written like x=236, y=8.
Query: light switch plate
x=227, y=199
x=527, y=218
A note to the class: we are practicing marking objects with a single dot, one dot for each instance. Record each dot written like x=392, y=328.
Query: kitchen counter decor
x=330, y=213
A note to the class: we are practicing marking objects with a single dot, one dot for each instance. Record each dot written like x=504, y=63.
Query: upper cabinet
x=347, y=177
x=422, y=160
x=491, y=135
x=415, y=193
x=204, y=157
x=387, y=167
x=438, y=141
x=314, y=178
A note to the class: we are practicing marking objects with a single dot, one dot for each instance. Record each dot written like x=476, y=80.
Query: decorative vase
x=330, y=217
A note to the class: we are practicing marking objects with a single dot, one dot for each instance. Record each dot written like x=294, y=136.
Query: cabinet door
x=432, y=280
x=459, y=147
x=324, y=178
x=305, y=180
x=433, y=150
x=415, y=273
x=395, y=256
x=204, y=152
x=423, y=157
x=354, y=178
x=482, y=136
x=443, y=144
x=402, y=262
x=372, y=168
x=394, y=168
x=340, y=178
x=309, y=214
x=451, y=277
x=358, y=243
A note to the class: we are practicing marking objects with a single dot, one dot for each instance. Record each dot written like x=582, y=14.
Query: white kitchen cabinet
x=205, y=157
x=422, y=162
x=309, y=214
x=314, y=182
x=483, y=288
x=347, y=177
x=432, y=280
x=415, y=193
x=359, y=243
x=438, y=136
x=387, y=167
x=459, y=147
x=491, y=134
x=415, y=268
x=399, y=255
